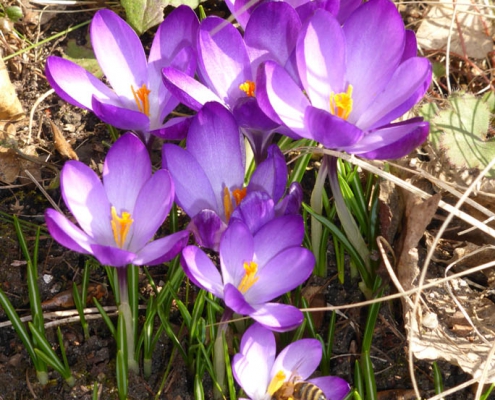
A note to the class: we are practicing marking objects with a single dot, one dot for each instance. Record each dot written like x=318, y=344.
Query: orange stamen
x=248, y=87
x=141, y=99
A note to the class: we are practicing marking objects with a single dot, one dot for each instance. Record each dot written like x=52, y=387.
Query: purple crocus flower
x=356, y=80
x=139, y=100
x=242, y=9
x=251, y=267
x=117, y=218
x=261, y=374
x=209, y=174
x=227, y=65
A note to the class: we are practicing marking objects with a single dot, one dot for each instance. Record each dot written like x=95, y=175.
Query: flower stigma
x=141, y=99
x=228, y=206
x=120, y=226
x=276, y=382
x=249, y=278
x=341, y=103
x=248, y=87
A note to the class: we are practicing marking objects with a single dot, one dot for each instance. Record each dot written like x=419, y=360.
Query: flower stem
x=218, y=354
x=125, y=311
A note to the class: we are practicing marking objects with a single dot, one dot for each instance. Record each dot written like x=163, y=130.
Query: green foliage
x=459, y=132
x=14, y=13
x=83, y=56
x=145, y=14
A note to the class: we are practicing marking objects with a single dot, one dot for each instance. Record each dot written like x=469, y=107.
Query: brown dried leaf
x=10, y=106
x=61, y=144
x=471, y=33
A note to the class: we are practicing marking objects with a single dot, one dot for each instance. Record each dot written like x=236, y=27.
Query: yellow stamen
x=227, y=203
x=141, y=99
x=248, y=87
x=250, y=278
x=120, y=226
x=341, y=103
x=276, y=382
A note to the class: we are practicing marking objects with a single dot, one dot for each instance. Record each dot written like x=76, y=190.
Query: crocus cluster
x=337, y=72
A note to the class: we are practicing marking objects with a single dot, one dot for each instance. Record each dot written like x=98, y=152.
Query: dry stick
x=458, y=303
x=428, y=259
x=399, y=182
x=485, y=373
x=447, y=59
x=31, y=114
x=42, y=190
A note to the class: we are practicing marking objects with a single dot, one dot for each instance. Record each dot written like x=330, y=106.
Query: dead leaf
x=61, y=144
x=10, y=106
x=471, y=32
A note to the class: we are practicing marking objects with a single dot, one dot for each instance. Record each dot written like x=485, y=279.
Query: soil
x=93, y=361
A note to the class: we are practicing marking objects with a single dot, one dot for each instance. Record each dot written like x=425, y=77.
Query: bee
x=299, y=391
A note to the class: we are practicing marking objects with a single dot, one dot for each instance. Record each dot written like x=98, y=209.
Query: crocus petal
x=161, y=101
x=236, y=248
x=296, y=265
x=122, y=118
x=207, y=228
x=321, y=58
x=75, y=85
x=163, y=249
x=269, y=37
x=127, y=168
x=152, y=207
x=242, y=9
x=307, y=9
x=395, y=140
x=119, y=53
x=410, y=46
x=112, y=256
x=280, y=98
x=174, y=129
x=271, y=175
x=199, y=268
x=187, y=90
x=252, y=365
x=87, y=200
x=406, y=87
x=235, y=300
x=193, y=189
x=289, y=231
x=66, y=233
x=215, y=142
x=379, y=53
x=278, y=317
x=331, y=131
x=223, y=60
x=249, y=115
x=291, y=203
x=346, y=8
x=255, y=210
x=335, y=388
x=300, y=358
x=178, y=30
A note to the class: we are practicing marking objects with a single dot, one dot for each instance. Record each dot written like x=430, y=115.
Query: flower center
x=341, y=103
x=249, y=278
x=276, y=382
x=248, y=87
x=237, y=194
x=120, y=226
x=141, y=99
